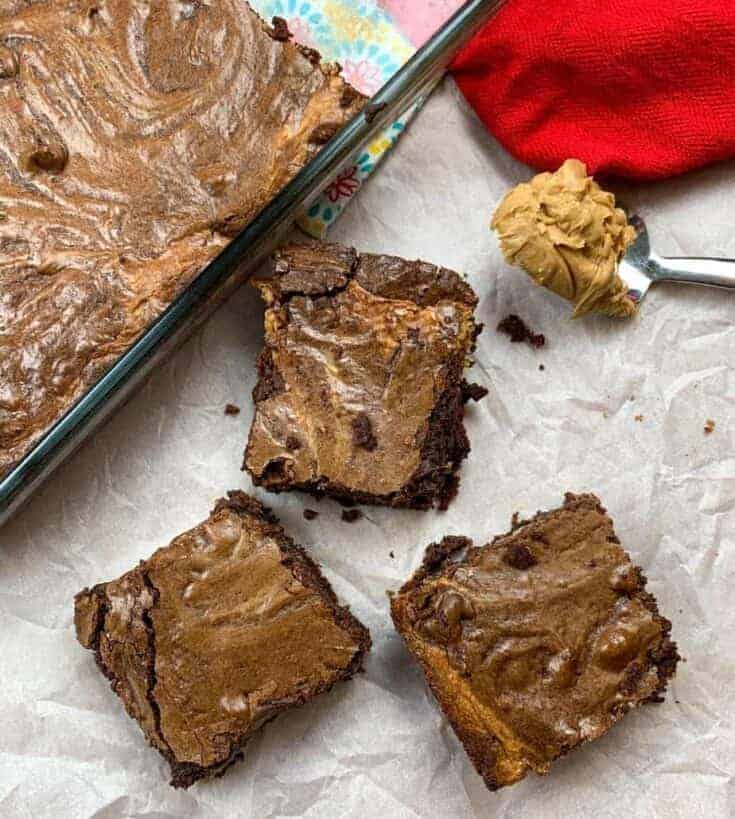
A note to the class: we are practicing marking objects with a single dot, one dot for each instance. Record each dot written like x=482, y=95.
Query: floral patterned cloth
x=364, y=40
x=419, y=25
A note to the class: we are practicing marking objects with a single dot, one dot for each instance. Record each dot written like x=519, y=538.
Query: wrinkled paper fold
x=378, y=746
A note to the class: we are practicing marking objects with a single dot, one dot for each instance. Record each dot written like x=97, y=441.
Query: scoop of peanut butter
x=567, y=234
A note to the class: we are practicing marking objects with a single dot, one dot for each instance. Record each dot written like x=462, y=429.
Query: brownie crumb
x=516, y=329
x=391, y=555
x=709, y=427
x=372, y=110
x=519, y=557
x=279, y=30
x=323, y=133
x=311, y=54
x=473, y=392
x=232, y=409
x=362, y=432
x=349, y=95
x=310, y=514
x=351, y=515
x=639, y=418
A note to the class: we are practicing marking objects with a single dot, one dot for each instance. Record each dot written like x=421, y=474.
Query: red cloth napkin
x=641, y=89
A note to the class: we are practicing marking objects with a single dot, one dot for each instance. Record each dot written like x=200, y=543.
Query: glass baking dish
x=241, y=257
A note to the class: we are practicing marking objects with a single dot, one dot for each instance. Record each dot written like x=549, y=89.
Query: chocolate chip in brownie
x=519, y=557
x=292, y=443
x=279, y=30
x=362, y=432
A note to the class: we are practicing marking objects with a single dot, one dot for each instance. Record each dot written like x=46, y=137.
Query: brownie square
x=537, y=642
x=218, y=633
x=361, y=393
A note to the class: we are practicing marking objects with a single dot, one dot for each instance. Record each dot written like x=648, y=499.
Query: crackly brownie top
x=359, y=349
x=134, y=139
x=546, y=635
x=217, y=632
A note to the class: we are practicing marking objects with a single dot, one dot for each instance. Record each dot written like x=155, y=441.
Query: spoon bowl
x=641, y=267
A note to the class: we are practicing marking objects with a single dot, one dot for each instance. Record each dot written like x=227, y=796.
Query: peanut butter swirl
x=564, y=230
x=135, y=139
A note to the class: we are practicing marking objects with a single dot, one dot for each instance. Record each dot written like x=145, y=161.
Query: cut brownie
x=218, y=633
x=537, y=642
x=361, y=392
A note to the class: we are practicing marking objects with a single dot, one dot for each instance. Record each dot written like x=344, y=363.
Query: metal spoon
x=641, y=267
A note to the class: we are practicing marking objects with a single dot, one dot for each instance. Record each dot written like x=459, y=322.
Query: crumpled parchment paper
x=378, y=746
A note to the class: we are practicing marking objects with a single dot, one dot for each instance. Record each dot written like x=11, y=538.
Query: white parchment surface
x=378, y=746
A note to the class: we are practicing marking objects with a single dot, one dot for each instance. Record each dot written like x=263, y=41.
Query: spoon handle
x=709, y=272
